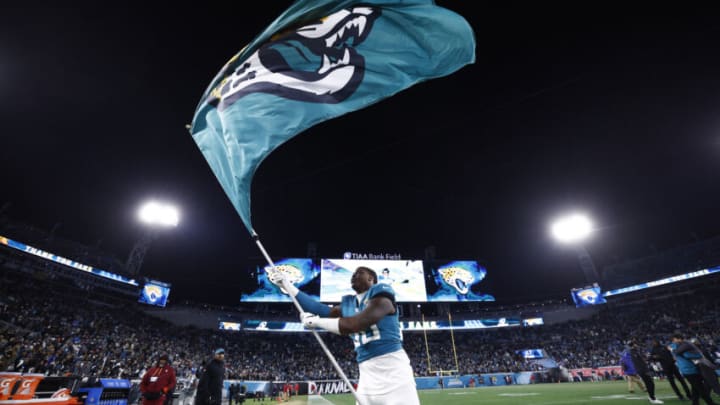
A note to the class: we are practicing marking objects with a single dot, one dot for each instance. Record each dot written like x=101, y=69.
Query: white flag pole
x=314, y=332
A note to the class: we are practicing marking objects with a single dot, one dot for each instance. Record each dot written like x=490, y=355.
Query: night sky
x=595, y=107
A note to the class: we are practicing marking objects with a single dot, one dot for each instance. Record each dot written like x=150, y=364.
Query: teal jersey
x=381, y=338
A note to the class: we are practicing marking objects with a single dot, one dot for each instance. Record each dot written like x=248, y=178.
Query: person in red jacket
x=158, y=382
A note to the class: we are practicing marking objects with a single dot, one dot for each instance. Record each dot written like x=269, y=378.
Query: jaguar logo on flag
x=317, y=62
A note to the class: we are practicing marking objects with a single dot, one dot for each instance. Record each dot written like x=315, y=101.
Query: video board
x=461, y=324
x=405, y=326
x=455, y=281
x=662, y=281
x=587, y=296
x=533, y=321
x=406, y=277
x=65, y=261
x=227, y=325
x=300, y=271
x=532, y=354
x=275, y=326
x=154, y=293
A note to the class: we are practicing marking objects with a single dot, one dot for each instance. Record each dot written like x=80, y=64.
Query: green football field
x=605, y=393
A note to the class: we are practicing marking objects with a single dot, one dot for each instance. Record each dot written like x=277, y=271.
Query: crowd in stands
x=51, y=328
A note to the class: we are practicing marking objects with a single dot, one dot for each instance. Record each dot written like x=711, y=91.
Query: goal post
x=440, y=371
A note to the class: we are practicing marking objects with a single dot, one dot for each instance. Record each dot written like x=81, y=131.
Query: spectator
x=685, y=353
x=641, y=367
x=158, y=382
x=663, y=356
x=631, y=373
x=55, y=329
x=210, y=386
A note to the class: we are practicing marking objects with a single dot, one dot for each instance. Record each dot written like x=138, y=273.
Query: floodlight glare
x=572, y=228
x=155, y=213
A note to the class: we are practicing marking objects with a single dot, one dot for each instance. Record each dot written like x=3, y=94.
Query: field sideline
x=605, y=393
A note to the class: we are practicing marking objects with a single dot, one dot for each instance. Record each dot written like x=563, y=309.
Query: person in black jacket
x=232, y=391
x=686, y=355
x=663, y=356
x=638, y=359
x=707, y=366
x=209, y=391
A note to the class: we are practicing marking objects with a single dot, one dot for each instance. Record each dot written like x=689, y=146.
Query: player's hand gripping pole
x=314, y=332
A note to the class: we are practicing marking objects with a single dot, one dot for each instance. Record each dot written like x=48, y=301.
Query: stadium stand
x=51, y=327
x=59, y=322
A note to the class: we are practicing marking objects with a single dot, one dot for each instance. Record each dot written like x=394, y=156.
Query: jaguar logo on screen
x=298, y=271
x=455, y=281
x=458, y=278
x=153, y=293
x=589, y=296
x=292, y=273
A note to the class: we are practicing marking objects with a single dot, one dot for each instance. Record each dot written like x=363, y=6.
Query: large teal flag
x=320, y=59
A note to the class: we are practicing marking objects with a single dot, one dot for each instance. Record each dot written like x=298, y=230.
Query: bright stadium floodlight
x=154, y=213
x=572, y=228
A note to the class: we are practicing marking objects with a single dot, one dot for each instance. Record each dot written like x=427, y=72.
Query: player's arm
x=376, y=309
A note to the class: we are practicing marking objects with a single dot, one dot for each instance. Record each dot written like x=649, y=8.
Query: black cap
x=164, y=357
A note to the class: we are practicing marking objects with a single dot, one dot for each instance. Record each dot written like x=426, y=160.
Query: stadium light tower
x=155, y=216
x=573, y=229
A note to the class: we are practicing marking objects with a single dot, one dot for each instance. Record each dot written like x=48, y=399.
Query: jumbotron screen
x=154, y=293
x=454, y=281
x=300, y=271
x=532, y=354
x=405, y=326
x=406, y=277
x=228, y=325
x=587, y=296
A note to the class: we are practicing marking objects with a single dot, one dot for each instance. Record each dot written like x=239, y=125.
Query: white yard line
x=318, y=400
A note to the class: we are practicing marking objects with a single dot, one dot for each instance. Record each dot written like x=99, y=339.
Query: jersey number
x=372, y=333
